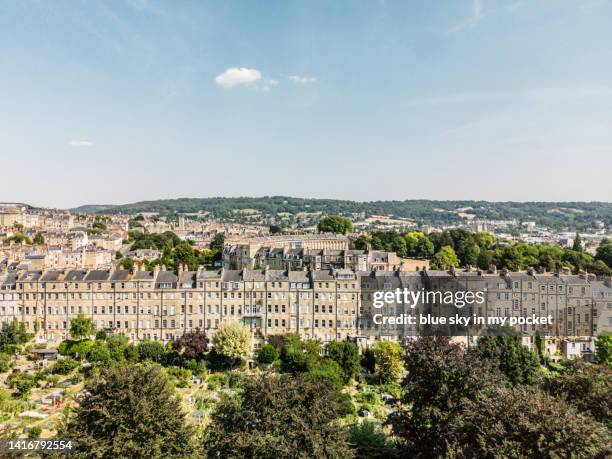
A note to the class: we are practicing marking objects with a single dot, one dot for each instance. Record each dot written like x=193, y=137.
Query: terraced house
x=317, y=304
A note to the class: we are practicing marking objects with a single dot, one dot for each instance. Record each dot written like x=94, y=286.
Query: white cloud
x=235, y=76
x=80, y=143
x=267, y=85
x=302, y=79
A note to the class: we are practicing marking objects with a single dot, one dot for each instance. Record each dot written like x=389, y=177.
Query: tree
x=267, y=354
x=368, y=360
x=81, y=327
x=362, y=242
x=335, y=224
x=217, y=242
x=389, y=366
x=603, y=348
x=440, y=377
x=588, y=387
x=274, y=229
x=6, y=362
x=282, y=417
x=232, y=340
x=150, y=350
x=418, y=245
x=445, y=258
x=370, y=442
x=130, y=411
x=604, y=251
x=192, y=344
x=524, y=422
x=38, y=239
x=326, y=371
x=12, y=334
x=346, y=354
x=577, y=247
x=126, y=263
x=390, y=241
x=507, y=353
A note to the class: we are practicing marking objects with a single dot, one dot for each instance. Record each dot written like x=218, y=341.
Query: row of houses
x=317, y=304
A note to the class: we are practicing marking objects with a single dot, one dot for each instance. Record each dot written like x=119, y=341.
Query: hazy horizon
x=292, y=196
x=122, y=102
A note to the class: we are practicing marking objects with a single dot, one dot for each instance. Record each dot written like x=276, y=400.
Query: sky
x=109, y=102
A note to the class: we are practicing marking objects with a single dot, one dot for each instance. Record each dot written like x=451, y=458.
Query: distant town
x=160, y=274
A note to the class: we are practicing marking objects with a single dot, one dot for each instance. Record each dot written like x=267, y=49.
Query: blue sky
x=114, y=102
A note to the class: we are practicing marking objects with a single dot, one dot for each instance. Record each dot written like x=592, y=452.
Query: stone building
x=317, y=304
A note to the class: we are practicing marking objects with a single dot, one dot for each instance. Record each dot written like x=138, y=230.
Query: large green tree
x=440, y=377
x=445, y=258
x=81, y=327
x=233, y=341
x=335, y=224
x=282, y=417
x=389, y=365
x=603, y=348
x=518, y=364
x=346, y=354
x=588, y=387
x=524, y=422
x=604, y=251
x=130, y=411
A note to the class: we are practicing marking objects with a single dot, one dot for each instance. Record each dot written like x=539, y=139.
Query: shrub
x=586, y=386
x=233, y=341
x=217, y=380
x=347, y=407
x=64, y=366
x=346, y=354
x=6, y=362
x=327, y=371
x=77, y=349
x=370, y=442
x=34, y=432
x=267, y=354
x=197, y=367
x=150, y=350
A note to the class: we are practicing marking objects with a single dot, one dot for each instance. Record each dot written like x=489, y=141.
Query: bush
x=217, y=380
x=64, y=366
x=197, y=367
x=78, y=349
x=22, y=382
x=347, y=407
x=34, y=432
x=346, y=353
x=101, y=334
x=526, y=422
x=151, y=350
x=100, y=354
x=235, y=380
x=6, y=362
x=586, y=386
x=327, y=371
x=370, y=442
x=267, y=354
x=182, y=375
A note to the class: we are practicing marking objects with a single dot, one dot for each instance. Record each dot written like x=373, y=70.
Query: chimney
x=530, y=270
x=493, y=269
